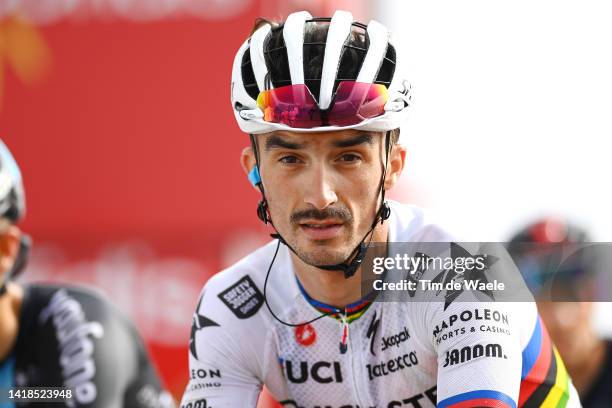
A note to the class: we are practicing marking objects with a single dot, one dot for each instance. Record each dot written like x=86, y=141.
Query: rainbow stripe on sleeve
x=544, y=379
x=480, y=398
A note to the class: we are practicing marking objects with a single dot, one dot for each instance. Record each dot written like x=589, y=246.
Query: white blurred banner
x=511, y=116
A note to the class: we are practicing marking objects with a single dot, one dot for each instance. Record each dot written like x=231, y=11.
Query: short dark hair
x=260, y=21
x=395, y=134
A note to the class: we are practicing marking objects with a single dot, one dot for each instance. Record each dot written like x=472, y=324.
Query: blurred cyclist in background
x=322, y=100
x=565, y=291
x=63, y=336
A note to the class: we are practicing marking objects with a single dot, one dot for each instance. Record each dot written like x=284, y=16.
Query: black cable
x=268, y=305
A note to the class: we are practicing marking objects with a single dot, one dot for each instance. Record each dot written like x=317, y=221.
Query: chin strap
x=355, y=259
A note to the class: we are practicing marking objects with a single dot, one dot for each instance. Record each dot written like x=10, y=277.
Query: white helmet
x=12, y=196
x=272, y=58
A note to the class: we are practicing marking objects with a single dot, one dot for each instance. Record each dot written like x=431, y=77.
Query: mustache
x=341, y=214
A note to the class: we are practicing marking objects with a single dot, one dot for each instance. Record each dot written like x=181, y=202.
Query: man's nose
x=319, y=191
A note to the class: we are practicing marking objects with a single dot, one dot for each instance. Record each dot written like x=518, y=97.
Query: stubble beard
x=324, y=254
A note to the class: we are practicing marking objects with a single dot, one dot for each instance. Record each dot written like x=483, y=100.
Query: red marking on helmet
x=549, y=231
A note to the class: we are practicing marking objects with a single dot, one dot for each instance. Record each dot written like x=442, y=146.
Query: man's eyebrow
x=275, y=142
x=354, y=141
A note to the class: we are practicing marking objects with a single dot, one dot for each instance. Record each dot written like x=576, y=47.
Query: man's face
x=322, y=189
x=568, y=323
x=10, y=236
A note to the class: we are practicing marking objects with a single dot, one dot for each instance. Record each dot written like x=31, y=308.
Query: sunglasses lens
x=356, y=102
x=291, y=105
x=294, y=105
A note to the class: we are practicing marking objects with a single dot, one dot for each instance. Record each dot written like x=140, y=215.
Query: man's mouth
x=321, y=230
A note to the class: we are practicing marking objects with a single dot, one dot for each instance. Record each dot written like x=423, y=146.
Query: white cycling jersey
x=396, y=354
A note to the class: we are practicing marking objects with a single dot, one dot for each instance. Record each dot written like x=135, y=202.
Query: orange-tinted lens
x=292, y=105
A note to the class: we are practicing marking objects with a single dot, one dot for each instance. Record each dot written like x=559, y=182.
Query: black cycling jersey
x=600, y=393
x=71, y=337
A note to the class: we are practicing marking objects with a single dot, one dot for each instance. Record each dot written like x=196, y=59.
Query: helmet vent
x=277, y=60
x=315, y=38
x=385, y=73
x=248, y=76
x=353, y=54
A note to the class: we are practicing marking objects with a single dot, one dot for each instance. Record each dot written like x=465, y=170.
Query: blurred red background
x=129, y=151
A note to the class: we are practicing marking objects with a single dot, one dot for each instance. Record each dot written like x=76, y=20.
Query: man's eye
x=289, y=159
x=349, y=157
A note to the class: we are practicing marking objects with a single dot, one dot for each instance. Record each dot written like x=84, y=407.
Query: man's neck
x=586, y=372
x=332, y=287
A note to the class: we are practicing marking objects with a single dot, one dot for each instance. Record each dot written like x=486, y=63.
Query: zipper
x=344, y=335
x=345, y=344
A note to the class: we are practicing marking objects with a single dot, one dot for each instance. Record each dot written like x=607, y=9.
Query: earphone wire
x=268, y=305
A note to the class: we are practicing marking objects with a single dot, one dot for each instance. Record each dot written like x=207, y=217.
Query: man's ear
x=9, y=247
x=248, y=162
x=395, y=166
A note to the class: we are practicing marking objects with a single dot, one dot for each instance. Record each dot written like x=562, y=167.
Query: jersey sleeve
x=97, y=352
x=222, y=367
x=125, y=376
x=145, y=390
x=477, y=337
x=491, y=346
x=479, y=354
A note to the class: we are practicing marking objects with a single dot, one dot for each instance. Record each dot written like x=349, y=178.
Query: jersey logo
x=242, y=298
x=371, y=333
x=322, y=372
x=384, y=368
x=198, y=323
x=77, y=339
x=414, y=401
x=467, y=353
x=305, y=335
x=201, y=403
x=395, y=339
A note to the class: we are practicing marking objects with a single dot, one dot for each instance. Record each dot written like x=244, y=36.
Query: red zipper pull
x=345, y=333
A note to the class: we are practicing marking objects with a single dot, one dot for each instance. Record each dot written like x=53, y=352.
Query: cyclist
x=322, y=100
x=568, y=313
x=63, y=336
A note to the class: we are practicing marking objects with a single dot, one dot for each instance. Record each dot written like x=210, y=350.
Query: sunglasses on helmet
x=295, y=106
